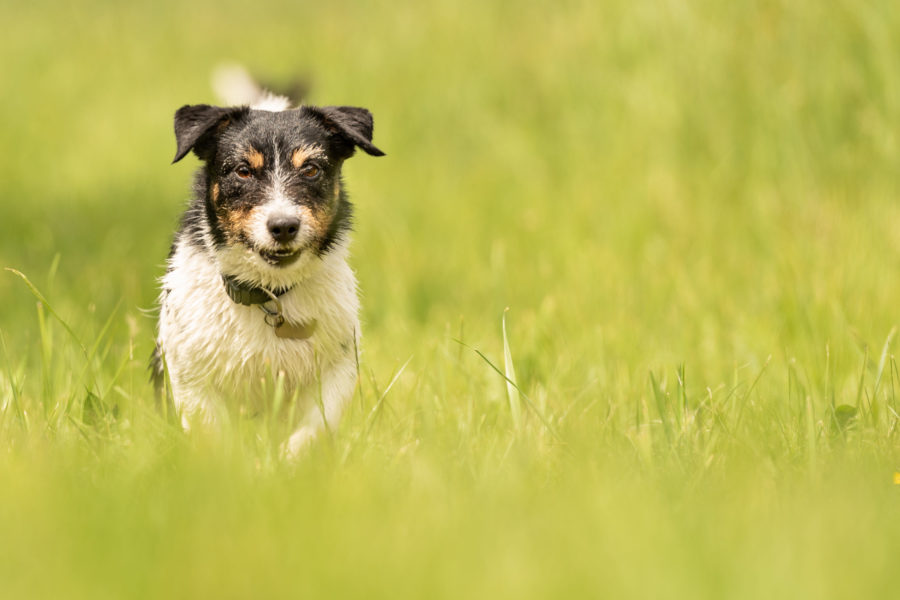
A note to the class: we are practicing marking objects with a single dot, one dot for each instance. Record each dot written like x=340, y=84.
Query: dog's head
x=272, y=183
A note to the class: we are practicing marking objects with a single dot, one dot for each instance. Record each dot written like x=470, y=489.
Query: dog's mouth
x=279, y=258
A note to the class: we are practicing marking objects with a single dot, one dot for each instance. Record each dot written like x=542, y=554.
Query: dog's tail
x=236, y=87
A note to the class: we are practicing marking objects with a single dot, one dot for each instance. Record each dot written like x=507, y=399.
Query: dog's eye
x=310, y=171
x=243, y=172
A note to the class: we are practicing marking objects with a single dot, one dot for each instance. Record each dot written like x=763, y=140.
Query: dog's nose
x=283, y=229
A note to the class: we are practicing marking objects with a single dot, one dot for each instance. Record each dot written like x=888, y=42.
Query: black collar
x=246, y=294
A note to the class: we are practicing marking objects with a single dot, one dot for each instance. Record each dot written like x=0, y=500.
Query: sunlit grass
x=688, y=209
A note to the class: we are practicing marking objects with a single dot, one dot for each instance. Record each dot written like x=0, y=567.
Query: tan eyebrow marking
x=301, y=154
x=254, y=157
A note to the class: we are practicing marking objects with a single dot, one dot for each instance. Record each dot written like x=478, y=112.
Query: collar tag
x=296, y=331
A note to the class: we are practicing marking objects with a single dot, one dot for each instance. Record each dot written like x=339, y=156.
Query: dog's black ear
x=352, y=122
x=196, y=127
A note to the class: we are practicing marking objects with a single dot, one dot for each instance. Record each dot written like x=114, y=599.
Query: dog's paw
x=200, y=420
x=299, y=442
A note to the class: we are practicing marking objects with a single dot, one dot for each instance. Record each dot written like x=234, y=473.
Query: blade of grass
x=37, y=294
x=373, y=414
x=882, y=361
x=13, y=385
x=527, y=400
x=512, y=391
x=376, y=410
x=660, y=398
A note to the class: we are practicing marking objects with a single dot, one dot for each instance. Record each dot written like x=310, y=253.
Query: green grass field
x=690, y=209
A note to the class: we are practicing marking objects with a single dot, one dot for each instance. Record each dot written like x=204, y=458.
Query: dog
x=257, y=286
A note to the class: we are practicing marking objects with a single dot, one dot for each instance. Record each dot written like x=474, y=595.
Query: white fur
x=271, y=102
x=216, y=349
x=236, y=87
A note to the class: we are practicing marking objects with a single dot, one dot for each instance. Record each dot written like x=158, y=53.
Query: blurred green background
x=689, y=207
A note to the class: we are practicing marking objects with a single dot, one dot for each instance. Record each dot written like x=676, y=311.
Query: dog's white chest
x=207, y=338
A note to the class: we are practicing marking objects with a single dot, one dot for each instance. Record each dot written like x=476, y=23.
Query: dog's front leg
x=326, y=402
x=196, y=404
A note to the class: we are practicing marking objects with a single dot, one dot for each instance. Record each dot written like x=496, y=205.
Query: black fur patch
x=157, y=369
x=341, y=224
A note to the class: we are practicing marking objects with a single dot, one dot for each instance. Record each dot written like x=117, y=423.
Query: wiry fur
x=215, y=348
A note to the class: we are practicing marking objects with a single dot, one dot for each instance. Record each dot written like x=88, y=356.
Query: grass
x=689, y=210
